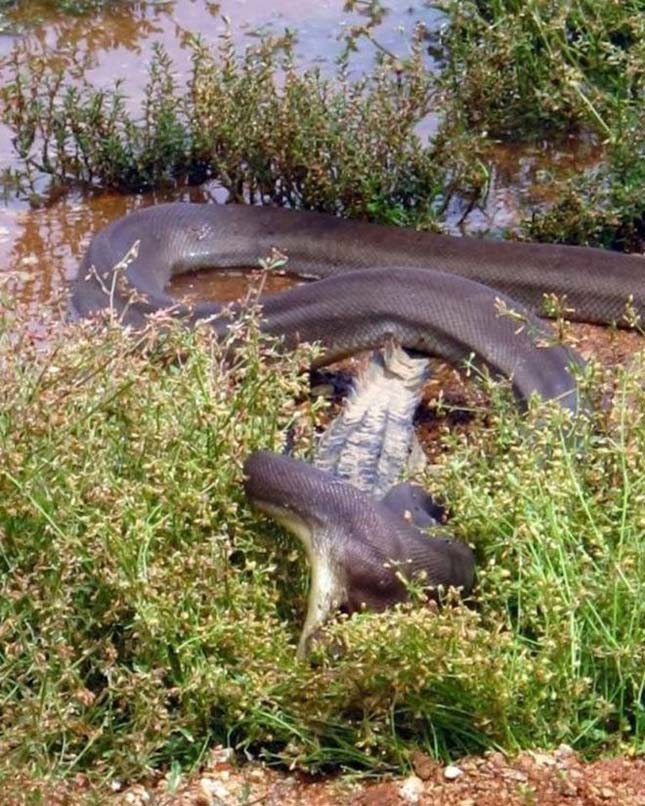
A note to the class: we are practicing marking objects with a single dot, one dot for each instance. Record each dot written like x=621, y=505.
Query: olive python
x=455, y=298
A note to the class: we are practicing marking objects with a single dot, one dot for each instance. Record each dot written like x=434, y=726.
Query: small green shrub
x=530, y=69
x=120, y=508
x=516, y=67
x=562, y=522
x=263, y=130
x=604, y=207
x=147, y=613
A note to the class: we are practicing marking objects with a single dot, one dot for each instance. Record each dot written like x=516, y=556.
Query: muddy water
x=41, y=248
x=228, y=286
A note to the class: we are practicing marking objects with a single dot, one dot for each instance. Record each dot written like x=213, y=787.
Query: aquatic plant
x=256, y=125
x=266, y=131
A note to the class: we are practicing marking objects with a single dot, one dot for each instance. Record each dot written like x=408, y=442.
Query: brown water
x=42, y=247
x=228, y=286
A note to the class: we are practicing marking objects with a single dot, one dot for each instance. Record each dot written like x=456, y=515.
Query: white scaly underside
x=325, y=596
x=373, y=440
x=326, y=590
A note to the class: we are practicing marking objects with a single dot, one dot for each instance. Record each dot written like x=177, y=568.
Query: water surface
x=43, y=246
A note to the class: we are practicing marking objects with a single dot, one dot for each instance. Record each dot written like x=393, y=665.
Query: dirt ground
x=461, y=397
x=491, y=780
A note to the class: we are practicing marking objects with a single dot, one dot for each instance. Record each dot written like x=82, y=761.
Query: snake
x=458, y=298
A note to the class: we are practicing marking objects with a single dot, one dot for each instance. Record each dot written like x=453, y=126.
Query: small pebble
x=564, y=751
x=423, y=765
x=514, y=775
x=411, y=789
x=496, y=759
x=214, y=789
x=137, y=796
x=568, y=788
x=451, y=772
x=222, y=755
x=543, y=759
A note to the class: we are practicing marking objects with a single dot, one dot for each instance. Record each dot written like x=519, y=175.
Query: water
x=44, y=246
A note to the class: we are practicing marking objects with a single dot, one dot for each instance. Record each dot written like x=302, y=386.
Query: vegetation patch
x=604, y=207
x=268, y=132
x=147, y=613
x=263, y=130
x=535, y=70
x=529, y=70
x=523, y=67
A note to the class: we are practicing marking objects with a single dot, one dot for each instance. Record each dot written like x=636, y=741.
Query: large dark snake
x=438, y=294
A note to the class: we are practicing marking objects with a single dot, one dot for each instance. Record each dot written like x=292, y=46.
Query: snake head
x=361, y=552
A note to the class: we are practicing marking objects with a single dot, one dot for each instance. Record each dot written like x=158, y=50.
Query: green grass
x=147, y=613
x=522, y=68
x=604, y=207
x=527, y=71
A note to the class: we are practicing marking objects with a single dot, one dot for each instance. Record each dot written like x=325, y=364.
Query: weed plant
x=147, y=613
x=532, y=70
x=529, y=70
x=604, y=207
x=522, y=67
x=262, y=129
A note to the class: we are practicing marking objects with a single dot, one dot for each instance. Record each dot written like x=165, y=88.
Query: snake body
x=180, y=237
x=433, y=293
x=400, y=289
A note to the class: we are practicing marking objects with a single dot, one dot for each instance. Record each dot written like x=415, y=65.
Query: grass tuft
x=604, y=207
x=517, y=67
x=147, y=613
